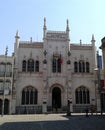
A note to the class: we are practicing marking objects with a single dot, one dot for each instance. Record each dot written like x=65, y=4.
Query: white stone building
x=54, y=74
x=6, y=83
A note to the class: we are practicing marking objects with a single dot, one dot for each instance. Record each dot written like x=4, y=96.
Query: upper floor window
x=81, y=67
x=2, y=67
x=30, y=66
x=87, y=67
x=1, y=84
x=8, y=67
x=56, y=65
x=37, y=66
x=75, y=66
x=24, y=65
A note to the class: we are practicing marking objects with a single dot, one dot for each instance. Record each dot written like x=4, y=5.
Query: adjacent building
x=6, y=84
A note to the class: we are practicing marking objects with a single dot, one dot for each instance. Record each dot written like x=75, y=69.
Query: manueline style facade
x=54, y=74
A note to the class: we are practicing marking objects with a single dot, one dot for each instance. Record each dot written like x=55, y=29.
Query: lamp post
x=4, y=82
x=99, y=87
x=68, y=108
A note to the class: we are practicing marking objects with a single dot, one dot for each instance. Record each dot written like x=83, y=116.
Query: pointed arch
x=75, y=66
x=24, y=64
x=80, y=66
x=37, y=66
x=82, y=95
x=29, y=95
x=30, y=66
x=87, y=67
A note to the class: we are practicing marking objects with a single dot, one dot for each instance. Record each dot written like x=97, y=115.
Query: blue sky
x=26, y=16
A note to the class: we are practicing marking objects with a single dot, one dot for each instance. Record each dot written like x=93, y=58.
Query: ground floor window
x=82, y=95
x=29, y=95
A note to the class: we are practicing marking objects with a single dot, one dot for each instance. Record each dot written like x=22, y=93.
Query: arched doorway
x=56, y=97
x=6, y=106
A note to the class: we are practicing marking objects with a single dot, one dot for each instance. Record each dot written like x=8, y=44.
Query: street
x=52, y=122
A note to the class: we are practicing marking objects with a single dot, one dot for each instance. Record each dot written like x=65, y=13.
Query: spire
x=67, y=27
x=6, y=51
x=31, y=39
x=17, y=36
x=44, y=28
x=67, y=30
x=44, y=23
x=93, y=40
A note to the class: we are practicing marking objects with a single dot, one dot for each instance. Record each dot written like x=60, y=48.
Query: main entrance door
x=56, y=97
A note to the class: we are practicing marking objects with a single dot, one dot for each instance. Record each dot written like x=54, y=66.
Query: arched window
x=80, y=66
x=59, y=65
x=2, y=68
x=7, y=84
x=1, y=86
x=24, y=64
x=30, y=67
x=87, y=67
x=8, y=69
x=83, y=67
x=56, y=65
x=75, y=66
x=37, y=66
x=82, y=95
x=29, y=96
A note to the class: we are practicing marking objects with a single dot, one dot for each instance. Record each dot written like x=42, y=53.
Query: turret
x=67, y=30
x=44, y=28
x=16, y=40
x=16, y=46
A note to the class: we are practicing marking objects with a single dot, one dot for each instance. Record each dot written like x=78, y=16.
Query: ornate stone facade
x=57, y=72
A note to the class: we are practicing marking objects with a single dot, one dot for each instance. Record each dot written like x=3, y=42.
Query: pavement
x=53, y=122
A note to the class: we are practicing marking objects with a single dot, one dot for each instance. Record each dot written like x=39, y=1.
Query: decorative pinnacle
x=17, y=36
x=44, y=23
x=67, y=28
x=6, y=51
x=93, y=40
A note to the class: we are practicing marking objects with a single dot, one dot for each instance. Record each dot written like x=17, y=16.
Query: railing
x=28, y=109
x=78, y=44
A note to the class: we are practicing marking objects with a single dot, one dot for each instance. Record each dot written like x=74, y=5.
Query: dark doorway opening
x=6, y=106
x=103, y=102
x=0, y=106
x=56, y=98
